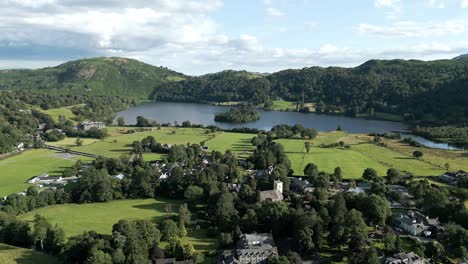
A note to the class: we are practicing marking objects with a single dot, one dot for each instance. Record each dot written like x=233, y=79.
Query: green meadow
x=15, y=255
x=16, y=170
x=362, y=154
x=100, y=217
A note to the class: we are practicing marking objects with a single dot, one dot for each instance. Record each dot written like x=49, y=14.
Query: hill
x=97, y=76
x=463, y=56
x=416, y=89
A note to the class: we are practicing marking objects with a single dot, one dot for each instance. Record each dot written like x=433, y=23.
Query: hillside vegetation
x=416, y=89
x=97, y=76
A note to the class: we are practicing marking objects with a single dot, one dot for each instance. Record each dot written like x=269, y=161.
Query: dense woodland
x=412, y=88
x=20, y=115
x=240, y=114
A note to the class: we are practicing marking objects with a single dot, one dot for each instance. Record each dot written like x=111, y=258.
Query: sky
x=202, y=36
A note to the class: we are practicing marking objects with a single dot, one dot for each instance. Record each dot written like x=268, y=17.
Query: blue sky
x=201, y=36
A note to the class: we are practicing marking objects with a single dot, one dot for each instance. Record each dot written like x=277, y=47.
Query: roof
x=274, y=195
x=254, y=240
x=407, y=258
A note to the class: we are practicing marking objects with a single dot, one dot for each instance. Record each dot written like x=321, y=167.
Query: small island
x=241, y=114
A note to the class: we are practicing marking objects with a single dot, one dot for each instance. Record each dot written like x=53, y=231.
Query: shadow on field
x=406, y=158
x=119, y=150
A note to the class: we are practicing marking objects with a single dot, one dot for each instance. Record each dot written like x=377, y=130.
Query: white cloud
x=182, y=35
x=415, y=29
x=272, y=11
x=464, y=3
x=386, y=3
x=436, y=3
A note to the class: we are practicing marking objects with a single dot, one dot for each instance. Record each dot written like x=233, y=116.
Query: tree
x=393, y=175
x=193, y=194
x=339, y=128
x=182, y=229
x=447, y=166
x=369, y=174
x=225, y=212
x=169, y=230
x=78, y=141
x=278, y=260
x=389, y=240
x=184, y=214
x=189, y=251
x=304, y=240
x=371, y=256
x=121, y=121
x=417, y=154
x=376, y=209
x=98, y=257
x=355, y=230
x=311, y=170
x=309, y=133
x=55, y=240
x=41, y=226
x=307, y=146
x=142, y=122
x=337, y=175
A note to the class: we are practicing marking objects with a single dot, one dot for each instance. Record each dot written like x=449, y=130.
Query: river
x=203, y=114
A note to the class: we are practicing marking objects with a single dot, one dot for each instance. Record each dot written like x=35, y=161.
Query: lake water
x=203, y=114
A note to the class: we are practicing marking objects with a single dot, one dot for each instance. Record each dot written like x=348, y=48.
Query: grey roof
x=255, y=241
x=406, y=258
x=274, y=195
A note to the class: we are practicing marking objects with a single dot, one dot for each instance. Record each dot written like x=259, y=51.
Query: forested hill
x=417, y=88
x=225, y=86
x=97, y=76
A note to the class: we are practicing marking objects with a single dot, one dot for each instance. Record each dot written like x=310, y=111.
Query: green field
x=239, y=143
x=16, y=170
x=77, y=218
x=363, y=154
x=281, y=105
x=56, y=112
x=15, y=255
x=118, y=144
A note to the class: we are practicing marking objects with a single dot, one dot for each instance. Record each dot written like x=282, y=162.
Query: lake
x=203, y=114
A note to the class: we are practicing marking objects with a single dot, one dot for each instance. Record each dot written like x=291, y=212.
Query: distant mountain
x=99, y=76
x=411, y=88
x=463, y=56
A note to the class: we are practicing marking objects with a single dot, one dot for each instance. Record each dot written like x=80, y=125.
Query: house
x=90, y=124
x=233, y=187
x=416, y=223
x=164, y=176
x=405, y=258
x=452, y=177
x=20, y=146
x=300, y=186
x=119, y=176
x=361, y=187
x=274, y=195
x=45, y=179
x=172, y=261
x=251, y=249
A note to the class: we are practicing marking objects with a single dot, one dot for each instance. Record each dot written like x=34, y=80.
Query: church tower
x=278, y=185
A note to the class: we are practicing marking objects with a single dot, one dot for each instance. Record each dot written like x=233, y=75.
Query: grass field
x=281, y=105
x=16, y=170
x=119, y=143
x=363, y=154
x=15, y=255
x=236, y=142
x=55, y=113
x=77, y=218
